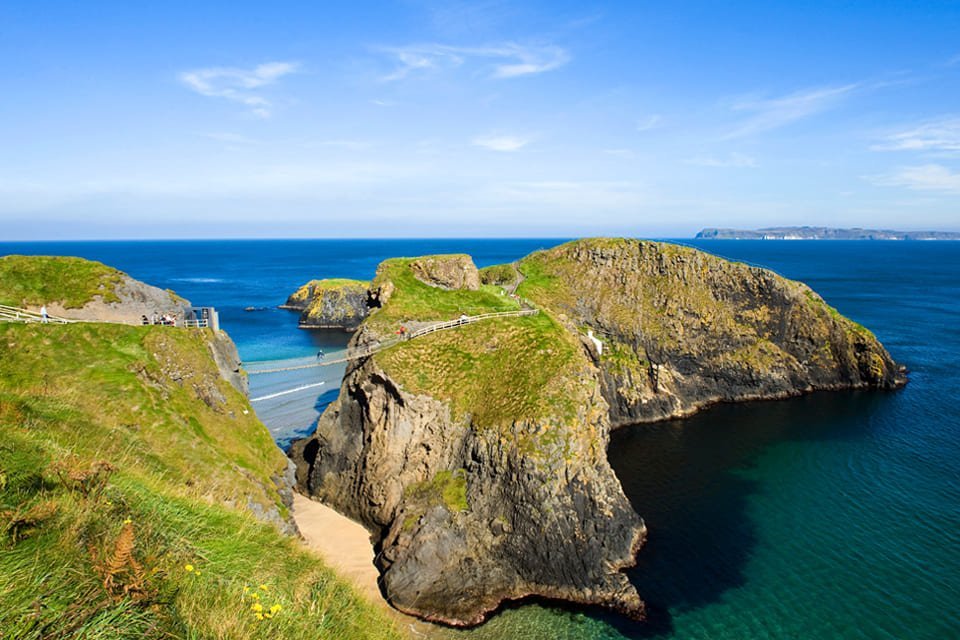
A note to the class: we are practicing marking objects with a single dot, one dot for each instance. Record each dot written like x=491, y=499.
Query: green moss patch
x=448, y=488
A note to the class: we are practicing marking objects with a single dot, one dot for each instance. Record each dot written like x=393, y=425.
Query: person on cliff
x=44, y=318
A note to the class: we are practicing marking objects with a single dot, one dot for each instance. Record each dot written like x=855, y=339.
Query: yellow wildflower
x=188, y=568
x=197, y=572
x=246, y=589
x=255, y=596
x=259, y=616
x=268, y=615
x=256, y=606
x=275, y=608
x=264, y=587
x=128, y=521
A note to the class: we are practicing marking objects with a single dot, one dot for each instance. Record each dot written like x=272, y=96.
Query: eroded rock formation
x=330, y=304
x=477, y=457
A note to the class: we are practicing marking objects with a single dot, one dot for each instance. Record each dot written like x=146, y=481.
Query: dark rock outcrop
x=330, y=304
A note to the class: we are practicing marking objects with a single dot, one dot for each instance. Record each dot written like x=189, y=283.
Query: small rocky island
x=334, y=303
x=477, y=456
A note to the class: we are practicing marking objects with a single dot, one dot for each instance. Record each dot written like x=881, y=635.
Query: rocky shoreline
x=478, y=457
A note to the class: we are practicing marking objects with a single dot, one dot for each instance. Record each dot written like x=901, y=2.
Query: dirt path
x=346, y=548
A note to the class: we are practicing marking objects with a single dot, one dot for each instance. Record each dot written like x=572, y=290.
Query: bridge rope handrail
x=386, y=344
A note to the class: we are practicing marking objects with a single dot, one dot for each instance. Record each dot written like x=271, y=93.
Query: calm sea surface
x=830, y=516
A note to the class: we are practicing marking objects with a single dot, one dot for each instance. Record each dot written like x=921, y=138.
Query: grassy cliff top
x=129, y=471
x=411, y=299
x=497, y=370
x=37, y=280
x=679, y=297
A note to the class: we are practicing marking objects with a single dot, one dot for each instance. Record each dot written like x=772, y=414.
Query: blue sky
x=316, y=119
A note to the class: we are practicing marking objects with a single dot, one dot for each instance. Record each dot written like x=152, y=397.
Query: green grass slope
x=413, y=300
x=36, y=280
x=497, y=371
x=128, y=474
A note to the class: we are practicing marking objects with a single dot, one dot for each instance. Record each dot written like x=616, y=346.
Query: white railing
x=16, y=314
x=196, y=324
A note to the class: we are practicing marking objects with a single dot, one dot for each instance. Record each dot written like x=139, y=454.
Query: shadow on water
x=689, y=480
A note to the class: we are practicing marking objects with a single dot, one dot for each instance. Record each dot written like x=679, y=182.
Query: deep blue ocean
x=835, y=515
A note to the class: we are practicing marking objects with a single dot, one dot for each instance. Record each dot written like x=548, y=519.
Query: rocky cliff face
x=468, y=515
x=447, y=272
x=682, y=329
x=330, y=304
x=477, y=457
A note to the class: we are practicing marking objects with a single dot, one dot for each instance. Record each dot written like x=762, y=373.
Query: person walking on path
x=44, y=318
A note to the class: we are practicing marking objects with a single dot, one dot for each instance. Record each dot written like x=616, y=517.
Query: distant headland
x=822, y=233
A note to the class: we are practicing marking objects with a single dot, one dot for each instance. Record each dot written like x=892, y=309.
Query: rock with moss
x=447, y=272
x=81, y=289
x=681, y=329
x=499, y=274
x=477, y=456
x=333, y=303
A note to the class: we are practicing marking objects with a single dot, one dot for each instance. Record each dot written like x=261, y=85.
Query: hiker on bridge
x=44, y=318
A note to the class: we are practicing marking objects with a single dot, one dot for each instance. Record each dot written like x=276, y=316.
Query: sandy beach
x=346, y=548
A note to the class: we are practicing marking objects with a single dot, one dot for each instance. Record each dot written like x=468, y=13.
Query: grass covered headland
x=35, y=280
x=130, y=473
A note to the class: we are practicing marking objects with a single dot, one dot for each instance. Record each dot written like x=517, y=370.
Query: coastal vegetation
x=495, y=371
x=141, y=498
x=37, y=280
x=405, y=298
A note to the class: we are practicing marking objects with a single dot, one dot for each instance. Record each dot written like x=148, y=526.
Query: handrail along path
x=386, y=344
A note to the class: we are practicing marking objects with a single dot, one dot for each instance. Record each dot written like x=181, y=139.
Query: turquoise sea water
x=835, y=515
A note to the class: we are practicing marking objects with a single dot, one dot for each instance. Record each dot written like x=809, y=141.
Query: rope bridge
x=386, y=344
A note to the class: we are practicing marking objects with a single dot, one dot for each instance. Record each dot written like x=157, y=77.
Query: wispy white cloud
x=732, y=160
x=651, y=121
x=772, y=113
x=934, y=136
x=239, y=85
x=926, y=177
x=501, y=143
x=505, y=60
